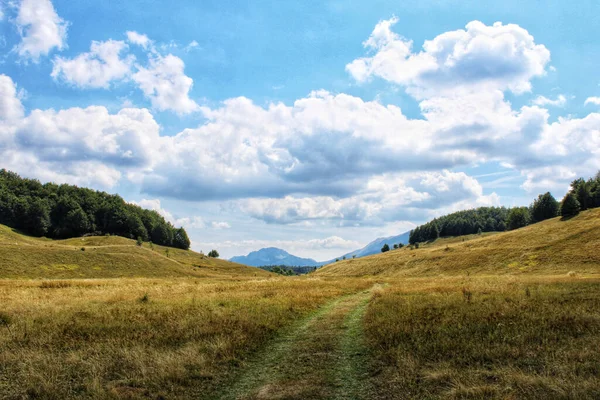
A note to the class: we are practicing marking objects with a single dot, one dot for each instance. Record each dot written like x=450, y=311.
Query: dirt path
x=322, y=358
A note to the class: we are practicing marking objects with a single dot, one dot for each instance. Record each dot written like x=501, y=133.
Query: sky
x=313, y=126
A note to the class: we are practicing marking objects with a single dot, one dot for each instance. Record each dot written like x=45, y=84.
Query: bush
x=385, y=248
x=213, y=254
x=139, y=241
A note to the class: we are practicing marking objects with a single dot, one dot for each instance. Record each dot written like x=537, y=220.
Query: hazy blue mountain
x=273, y=256
x=375, y=246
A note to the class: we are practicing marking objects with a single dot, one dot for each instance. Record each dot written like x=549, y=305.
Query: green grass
x=25, y=257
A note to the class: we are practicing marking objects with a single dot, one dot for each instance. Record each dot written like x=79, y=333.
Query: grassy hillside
x=550, y=247
x=105, y=257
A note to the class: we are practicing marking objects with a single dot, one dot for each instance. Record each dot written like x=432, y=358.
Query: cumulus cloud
x=97, y=68
x=328, y=157
x=77, y=145
x=41, y=29
x=384, y=198
x=10, y=104
x=138, y=39
x=592, y=100
x=542, y=101
x=166, y=85
x=494, y=57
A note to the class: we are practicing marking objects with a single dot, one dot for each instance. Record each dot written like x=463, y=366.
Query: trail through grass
x=322, y=357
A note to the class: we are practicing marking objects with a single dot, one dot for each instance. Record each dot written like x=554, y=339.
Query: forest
x=582, y=195
x=66, y=211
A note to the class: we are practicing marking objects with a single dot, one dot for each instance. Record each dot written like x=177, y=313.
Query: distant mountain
x=375, y=246
x=274, y=256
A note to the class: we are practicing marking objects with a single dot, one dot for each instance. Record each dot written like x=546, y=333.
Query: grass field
x=481, y=338
x=23, y=257
x=143, y=338
x=549, y=247
x=514, y=315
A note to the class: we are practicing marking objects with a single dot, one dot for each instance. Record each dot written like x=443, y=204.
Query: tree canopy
x=65, y=211
x=582, y=195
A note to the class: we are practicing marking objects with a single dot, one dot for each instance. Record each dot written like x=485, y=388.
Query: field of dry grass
x=513, y=315
x=550, y=247
x=527, y=337
x=24, y=257
x=143, y=338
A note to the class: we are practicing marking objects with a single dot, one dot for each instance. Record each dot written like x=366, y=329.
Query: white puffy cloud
x=125, y=139
x=97, y=68
x=592, y=100
x=493, y=57
x=10, y=105
x=41, y=29
x=83, y=146
x=542, y=101
x=138, y=39
x=165, y=84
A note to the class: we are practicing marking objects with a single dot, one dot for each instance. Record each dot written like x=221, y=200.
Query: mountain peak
x=269, y=256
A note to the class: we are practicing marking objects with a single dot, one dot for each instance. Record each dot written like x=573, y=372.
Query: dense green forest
x=65, y=211
x=583, y=195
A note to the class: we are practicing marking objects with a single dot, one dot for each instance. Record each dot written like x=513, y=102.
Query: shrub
x=139, y=241
x=385, y=248
x=213, y=254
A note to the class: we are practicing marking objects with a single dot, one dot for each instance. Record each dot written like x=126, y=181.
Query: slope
x=550, y=247
x=105, y=257
x=375, y=246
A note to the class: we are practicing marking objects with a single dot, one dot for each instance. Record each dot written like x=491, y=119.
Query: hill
x=28, y=257
x=375, y=246
x=553, y=246
x=273, y=256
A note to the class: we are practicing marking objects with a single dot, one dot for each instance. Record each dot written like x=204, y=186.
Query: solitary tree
x=385, y=248
x=569, y=205
x=213, y=254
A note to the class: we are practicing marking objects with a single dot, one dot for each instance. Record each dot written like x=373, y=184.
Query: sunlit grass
x=143, y=337
x=491, y=337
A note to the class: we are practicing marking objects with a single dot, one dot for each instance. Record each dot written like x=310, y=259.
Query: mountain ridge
x=270, y=256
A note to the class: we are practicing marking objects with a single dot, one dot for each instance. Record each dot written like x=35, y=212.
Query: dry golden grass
x=527, y=337
x=143, y=338
x=24, y=257
x=550, y=247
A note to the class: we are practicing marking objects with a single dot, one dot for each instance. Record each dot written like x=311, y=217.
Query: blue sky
x=311, y=126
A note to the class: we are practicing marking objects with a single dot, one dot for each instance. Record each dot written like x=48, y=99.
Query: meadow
x=512, y=315
x=486, y=338
x=143, y=338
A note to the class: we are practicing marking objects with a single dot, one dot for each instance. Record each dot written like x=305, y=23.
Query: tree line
x=581, y=196
x=65, y=211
